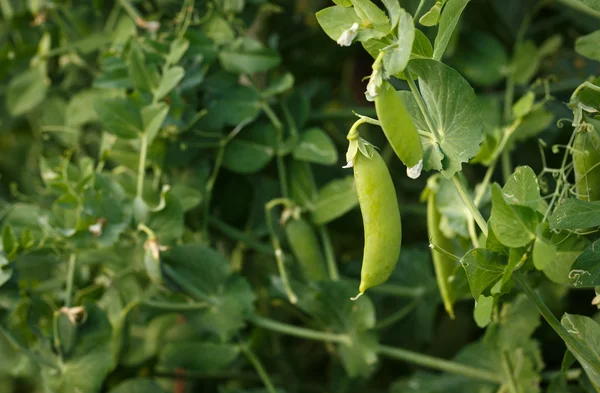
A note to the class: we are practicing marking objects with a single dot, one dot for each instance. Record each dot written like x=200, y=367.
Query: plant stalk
x=475, y=213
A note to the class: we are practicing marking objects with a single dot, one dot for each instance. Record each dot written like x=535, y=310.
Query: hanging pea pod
x=586, y=162
x=306, y=249
x=380, y=213
x=399, y=129
x=443, y=265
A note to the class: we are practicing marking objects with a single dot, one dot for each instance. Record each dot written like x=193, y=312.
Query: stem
x=444, y=252
x=262, y=373
x=334, y=274
x=421, y=104
x=508, y=370
x=210, y=184
x=142, y=166
x=70, y=281
x=440, y=364
x=475, y=213
x=506, y=165
x=419, y=9
x=397, y=316
x=301, y=332
x=574, y=346
x=175, y=306
x=279, y=136
x=239, y=235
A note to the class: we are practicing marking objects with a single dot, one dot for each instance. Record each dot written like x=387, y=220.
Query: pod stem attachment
x=356, y=142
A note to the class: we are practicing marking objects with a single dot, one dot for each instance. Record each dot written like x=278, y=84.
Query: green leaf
x=335, y=199
x=197, y=356
x=26, y=91
x=585, y=272
x=394, y=11
x=137, y=385
x=587, y=45
x=448, y=21
x=251, y=150
x=524, y=104
x=455, y=113
x=343, y=3
x=543, y=252
x=169, y=80
x=91, y=359
x=230, y=104
x=576, y=214
x=587, y=332
x=532, y=124
x=248, y=56
x=593, y=5
x=10, y=243
x=140, y=73
x=5, y=272
x=177, y=49
x=482, y=59
x=484, y=268
x=522, y=188
x=153, y=117
x=525, y=62
x=188, y=197
x=120, y=116
x=483, y=310
x=513, y=225
x=367, y=11
x=334, y=20
x=454, y=214
x=567, y=249
x=317, y=147
x=279, y=85
x=397, y=55
x=303, y=189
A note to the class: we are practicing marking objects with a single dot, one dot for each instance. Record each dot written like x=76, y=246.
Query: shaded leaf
x=317, y=147
x=335, y=199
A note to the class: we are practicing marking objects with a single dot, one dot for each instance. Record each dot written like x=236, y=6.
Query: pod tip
x=415, y=171
x=357, y=296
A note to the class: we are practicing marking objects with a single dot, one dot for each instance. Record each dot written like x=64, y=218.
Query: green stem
x=142, y=166
x=475, y=213
x=508, y=370
x=574, y=346
x=280, y=148
x=397, y=316
x=440, y=364
x=448, y=254
x=210, y=184
x=300, y=332
x=130, y=9
x=260, y=370
x=70, y=281
x=506, y=165
x=422, y=106
x=579, y=6
x=174, y=306
x=419, y=9
x=334, y=274
x=239, y=235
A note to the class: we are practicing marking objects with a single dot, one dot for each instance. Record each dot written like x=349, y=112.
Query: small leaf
x=576, y=214
x=10, y=243
x=252, y=150
x=303, y=189
x=586, y=332
x=522, y=189
x=524, y=104
x=278, y=86
x=482, y=59
x=587, y=45
x=26, y=91
x=525, y=62
x=448, y=21
x=369, y=13
x=197, y=356
x=335, y=20
x=335, y=199
x=514, y=226
x=153, y=117
x=5, y=272
x=432, y=17
x=177, y=49
x=484, y=268
x=169, y=81
x=139, y=72
x=248, y=56
x=397, y=55
x=483, y=310
x=394, y=11
x=120, y=117
x=585, y=272
x=137, y=385
x=317, y=147
x=189, y=197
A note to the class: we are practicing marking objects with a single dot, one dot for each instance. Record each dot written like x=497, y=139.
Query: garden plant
x=300, y=196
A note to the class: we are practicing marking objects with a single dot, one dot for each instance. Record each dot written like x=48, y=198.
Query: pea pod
x=444, y=266
x=381, y=218
x=399, y=129
x=586, y=162
x=306, y=249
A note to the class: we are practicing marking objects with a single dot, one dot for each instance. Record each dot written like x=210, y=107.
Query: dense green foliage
x=175, y=217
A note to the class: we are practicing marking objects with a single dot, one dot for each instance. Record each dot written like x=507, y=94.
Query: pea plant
x=176, y=215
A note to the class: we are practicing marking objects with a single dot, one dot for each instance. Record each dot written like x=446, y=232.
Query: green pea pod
x=399, y=129
x=443, y=265
x=306, y=249
x=381, y=219
x=586, y=162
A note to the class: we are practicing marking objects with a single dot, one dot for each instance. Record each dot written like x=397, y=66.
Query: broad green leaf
x=91, y=359
x=455, y=112
x=585, y=272
x=525, y=62
x=543, y=252
x=137, y=385
x=587, y=332
x=169, y=80
x=576, y=214
x=317, y=147
x=343, y=3
x=370, y=14
x=484, y=268
x=197, y=356
x=518, y=320
x=514, y=226
x=587, y=45
x=567, y=249
x=532, y=124
x=394, y=11
x=334, y=20
x=303, y=189
x=230, y=104
x=248, y=56
x=335, y=199
x=448, y=21
x=482, y=59
x=482, y=313
x=153, y=117
x=522, y=188
x=218, y=29
x=397, y=55
x=251, y=150
x=120, y=116
x=140, y=73
x=26, y=91
x=177, y=49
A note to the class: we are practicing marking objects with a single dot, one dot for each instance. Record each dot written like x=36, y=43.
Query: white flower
x=350, y=164
x=415, y=171
x=374, y=84
x=348, y=35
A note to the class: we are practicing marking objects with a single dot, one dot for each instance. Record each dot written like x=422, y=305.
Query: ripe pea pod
x=306, y=249
x=380, y=213
x=399, y=129
x=444, y=266
x=586, y=162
